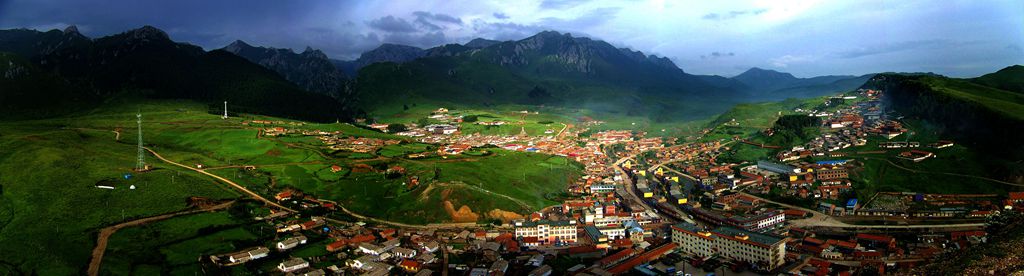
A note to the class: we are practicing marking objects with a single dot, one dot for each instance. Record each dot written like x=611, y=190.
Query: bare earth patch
x=464, y=214
x=504, y=216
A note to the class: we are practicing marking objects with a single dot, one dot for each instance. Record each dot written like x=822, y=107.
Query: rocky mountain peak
x=71, y=30
x=315, y=53
x=478, y=43
x=146, y=34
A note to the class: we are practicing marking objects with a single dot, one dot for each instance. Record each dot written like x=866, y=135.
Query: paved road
x=105, y=233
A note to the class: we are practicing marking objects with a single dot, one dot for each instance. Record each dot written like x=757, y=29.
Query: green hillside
x=1009, y=79
x=984, y=119
x=51, y=209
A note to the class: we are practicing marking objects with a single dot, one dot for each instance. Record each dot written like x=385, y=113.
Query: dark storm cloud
x=439, y=17
x=392, y=24
x=561, y=4
x=732, y=14
x=499, y=15
x=435, y=21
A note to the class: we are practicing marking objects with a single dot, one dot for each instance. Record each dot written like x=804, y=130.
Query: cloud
x=732, y=14
x=425, y=40
x=560, y=4
x=715, y=55
x=392, y=24
x=900, y=46
x=501, y=15
x=592, y=18
x=505, y=30
x=438, y=17
x=428, y=20
x=786, y=60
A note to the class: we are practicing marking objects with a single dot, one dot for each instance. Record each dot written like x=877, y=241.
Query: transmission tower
x=140, y=163
x=225, y=109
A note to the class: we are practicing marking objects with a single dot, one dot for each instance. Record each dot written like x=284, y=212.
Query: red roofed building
x=361, y=239
x=410, y=265
x=965, y=234
x=335, y=168
x=387, y=233
x=617, y=257
x=334, y=246
x=876, y=241
x=283, y=195
x=648, y=256
x=1017, y=197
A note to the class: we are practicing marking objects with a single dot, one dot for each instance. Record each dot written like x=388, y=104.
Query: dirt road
x=105, y=233
x=279, y=206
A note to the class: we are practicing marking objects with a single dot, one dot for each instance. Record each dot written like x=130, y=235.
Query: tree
x=396, y=128
x=470, y=118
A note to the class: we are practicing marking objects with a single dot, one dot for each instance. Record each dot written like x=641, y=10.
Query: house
x=291, y=242
x=410, y=265
x=283, y=195
x=252, y=254
x=363, y=262
x=544, y=270
x=312, y=224
x=498, y=267
x=430, y=246
x=334, y=246
x=335, y=168
x=535, y=260
x=441, y=129
x=292, y=264
x=426, y=258
x=404, y=252
x=372, y=249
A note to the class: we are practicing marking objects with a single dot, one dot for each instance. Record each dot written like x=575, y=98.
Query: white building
x=291, y=242
x=763, y=250
x=292, y=265
x=547, y=232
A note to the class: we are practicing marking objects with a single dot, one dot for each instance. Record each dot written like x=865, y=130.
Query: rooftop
x=754, y=237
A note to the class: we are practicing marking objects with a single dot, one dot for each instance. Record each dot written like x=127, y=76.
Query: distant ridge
x=145, y=62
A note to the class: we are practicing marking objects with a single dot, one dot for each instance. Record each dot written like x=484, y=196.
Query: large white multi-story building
x=547, y=232
x=764, y=251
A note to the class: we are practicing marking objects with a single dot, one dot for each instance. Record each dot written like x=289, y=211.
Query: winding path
x=279, y=206
x=943, y=173
x=105, y=233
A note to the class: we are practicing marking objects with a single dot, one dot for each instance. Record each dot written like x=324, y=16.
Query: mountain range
x=549, y=69
x=146, y=63
x=310, y=70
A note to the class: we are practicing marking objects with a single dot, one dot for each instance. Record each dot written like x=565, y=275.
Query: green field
x=174, y=246
x=524, y=177
x=51, y=207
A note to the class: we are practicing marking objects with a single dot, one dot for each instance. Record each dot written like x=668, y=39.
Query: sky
x=803, y=37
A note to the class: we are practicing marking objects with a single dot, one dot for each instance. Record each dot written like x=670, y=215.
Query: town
x=650, y=206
